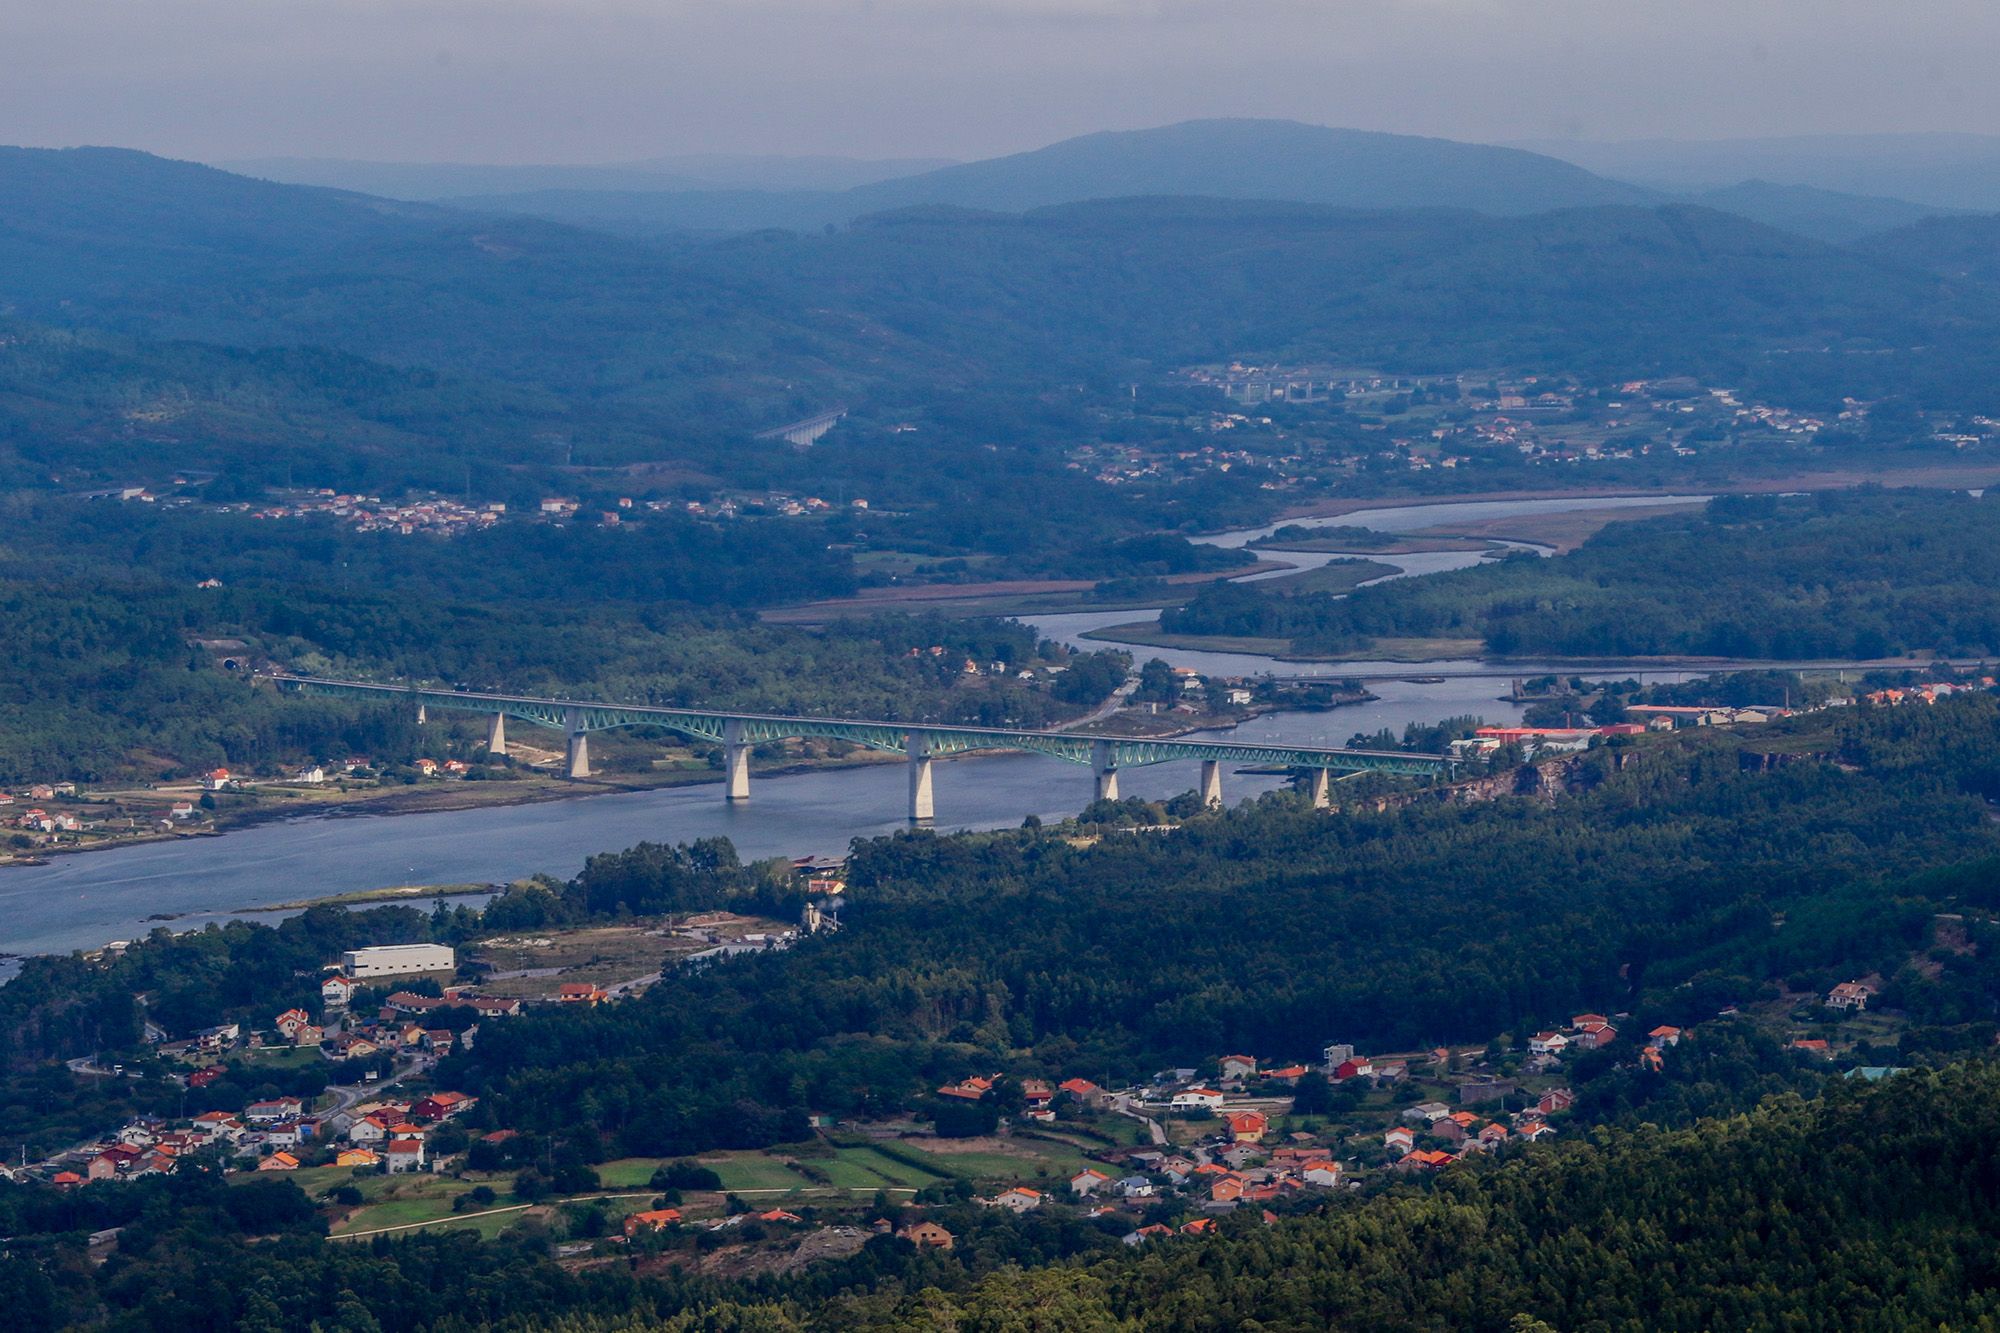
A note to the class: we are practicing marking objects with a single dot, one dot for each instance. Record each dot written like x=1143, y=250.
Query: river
x=83, y=901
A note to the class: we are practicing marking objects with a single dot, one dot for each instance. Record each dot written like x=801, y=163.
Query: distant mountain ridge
x=1258, y=159
x=1226, y=159
x=934, y=298
x=434, y=182
x=1949, y=171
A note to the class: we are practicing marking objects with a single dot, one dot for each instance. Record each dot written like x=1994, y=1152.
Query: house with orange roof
x=967, y=1090
x=1324, y=1172
x=358, y=1157
x=1201, y=1226
x=1088, y=1181
x=1238, y=1067
x=404, y=1155
x=1083, y=1090
x=1248, y=1126
x=1663, y=1036
x=651, y=1220
x=927, y=1235
x=279, y=1161
x=1019, y=1199
x=1422, y=1160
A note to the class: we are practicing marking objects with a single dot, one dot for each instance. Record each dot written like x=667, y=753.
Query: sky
x=580, y=81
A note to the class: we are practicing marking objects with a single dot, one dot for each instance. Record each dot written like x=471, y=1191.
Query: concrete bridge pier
x=1105, y=762
x=579, y=746
x=1320, y=784
x=1211, y=782
x=922, y=806
x=735, y=762
x=496, y=736
x=423, y=715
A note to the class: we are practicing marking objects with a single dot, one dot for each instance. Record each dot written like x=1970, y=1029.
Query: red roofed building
x=651, y=1220
x=1248, y=1126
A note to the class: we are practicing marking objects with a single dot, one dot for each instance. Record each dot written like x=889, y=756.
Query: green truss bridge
x=921, y=742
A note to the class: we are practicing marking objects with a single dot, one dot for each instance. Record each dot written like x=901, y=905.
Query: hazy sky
x=607, y=80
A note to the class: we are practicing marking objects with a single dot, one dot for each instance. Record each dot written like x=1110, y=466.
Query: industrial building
x=389, y=960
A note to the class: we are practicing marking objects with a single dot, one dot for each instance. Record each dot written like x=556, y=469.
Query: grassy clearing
x=399, y=1200
x=753, y=1171
x=865, y=1168
x=628, y=1173
x=283, y=1057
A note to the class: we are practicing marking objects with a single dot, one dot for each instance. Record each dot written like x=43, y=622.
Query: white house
x=1087, y=1182
x=1020, y=1199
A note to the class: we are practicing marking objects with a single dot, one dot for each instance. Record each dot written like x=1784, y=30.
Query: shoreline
x=422, y=801
x=1931, y=478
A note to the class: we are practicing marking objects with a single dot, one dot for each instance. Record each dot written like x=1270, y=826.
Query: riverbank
x=1969, y=476
x=286, y=804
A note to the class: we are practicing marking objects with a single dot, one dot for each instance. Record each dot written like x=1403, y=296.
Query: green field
x=865, y=1168
x=629, y=1172
x=753, y=1171
x=398, y=1200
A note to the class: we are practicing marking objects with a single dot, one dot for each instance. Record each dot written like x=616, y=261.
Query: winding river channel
x=85, y=900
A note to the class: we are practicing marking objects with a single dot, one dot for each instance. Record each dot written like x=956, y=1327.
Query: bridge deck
x=930, y=739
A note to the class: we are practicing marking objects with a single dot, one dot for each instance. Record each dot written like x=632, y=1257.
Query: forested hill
x=1840, y=574
x=1872, y=1208
x=922, y=303
x=1276, y=929
x=1257, y=159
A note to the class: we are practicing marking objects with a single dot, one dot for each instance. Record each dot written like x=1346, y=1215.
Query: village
x=435, y=515
x=1312, y=424
x=390, y=1148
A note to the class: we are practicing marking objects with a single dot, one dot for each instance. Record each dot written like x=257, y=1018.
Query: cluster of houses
x=36, y=819
x=433, y=515
x=313, y=775
x=269, y=1136
x=1927, y=694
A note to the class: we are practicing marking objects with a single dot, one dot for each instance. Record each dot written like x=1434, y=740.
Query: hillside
x=542, y=339
x=1826, y=215
x=1958, y=250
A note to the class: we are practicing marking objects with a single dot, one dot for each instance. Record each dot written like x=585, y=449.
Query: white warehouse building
x=388, y=960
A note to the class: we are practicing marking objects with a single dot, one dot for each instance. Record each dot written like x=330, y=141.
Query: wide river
x=82, y=901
